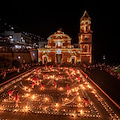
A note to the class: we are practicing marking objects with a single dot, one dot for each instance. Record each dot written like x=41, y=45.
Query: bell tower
x=85, y=39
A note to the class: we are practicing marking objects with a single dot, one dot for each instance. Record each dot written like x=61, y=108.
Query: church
x=60, y=51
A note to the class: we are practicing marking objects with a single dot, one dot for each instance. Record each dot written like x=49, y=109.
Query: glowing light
x=18, y=57
x=58, y=51
x=82, y=86
x=25, y=87
x=46, y=99
x=26, y=109
x=66, y=99
x=81, y=112
x=79, y=105
x=93, y=91
x=73, y=115
x=56, y=105
x=61, y=88
x=29, y=90
x=18, y=46
x=33, y=97
x=79, y=99
x=89, y=86
x=27, y=95
x=1, y=107
x=45, y=108
x=28, y=79
x=59, y=44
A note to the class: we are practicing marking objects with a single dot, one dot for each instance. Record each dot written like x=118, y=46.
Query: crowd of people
x=92, y=66
x=5, y=72
x=107, y=68
x=112, y=72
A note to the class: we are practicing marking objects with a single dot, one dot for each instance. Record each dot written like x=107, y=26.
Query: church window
x=85, y=48
x=86, y=38
x=58, y=44
x=82, y=22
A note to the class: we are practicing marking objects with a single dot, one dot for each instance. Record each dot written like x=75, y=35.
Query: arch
x=73, y=59
x=59, y=58
x=58, y=44
x=85, y=48
x=44, y=59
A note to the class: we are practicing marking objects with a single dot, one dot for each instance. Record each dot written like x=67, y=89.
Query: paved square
x=54, y=91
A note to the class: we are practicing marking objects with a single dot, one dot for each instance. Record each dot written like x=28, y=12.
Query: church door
x=58, y=58
x=45, y=60
x=73, y=60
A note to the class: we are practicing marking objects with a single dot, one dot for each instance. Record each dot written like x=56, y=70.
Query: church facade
x=60, y=51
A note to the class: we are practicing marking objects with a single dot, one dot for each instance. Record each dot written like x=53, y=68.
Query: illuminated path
x=55, y=93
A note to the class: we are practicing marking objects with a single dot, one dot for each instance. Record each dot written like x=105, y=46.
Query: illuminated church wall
x=59, y=49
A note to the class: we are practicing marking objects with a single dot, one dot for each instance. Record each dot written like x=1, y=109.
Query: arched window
x=85, y=48
x=86, y=38
x=58, y=44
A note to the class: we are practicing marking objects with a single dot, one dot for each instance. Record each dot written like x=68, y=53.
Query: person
x=18, y=70
x=4, y=75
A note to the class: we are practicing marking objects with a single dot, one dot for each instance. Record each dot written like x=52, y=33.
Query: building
x=42, y=44
x=85, y=39
x=17, y=37
x=17, y=46
x=60, y=51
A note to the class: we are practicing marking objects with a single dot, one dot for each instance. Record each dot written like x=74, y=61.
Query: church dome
x=59, y=35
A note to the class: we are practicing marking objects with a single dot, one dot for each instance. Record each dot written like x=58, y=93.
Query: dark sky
x=46, y=17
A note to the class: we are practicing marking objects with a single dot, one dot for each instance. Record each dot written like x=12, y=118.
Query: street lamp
x=104, y=58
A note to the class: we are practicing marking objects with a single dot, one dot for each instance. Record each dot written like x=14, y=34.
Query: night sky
x=46, y=17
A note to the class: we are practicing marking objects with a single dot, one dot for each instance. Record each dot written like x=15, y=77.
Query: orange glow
x=60, y=43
